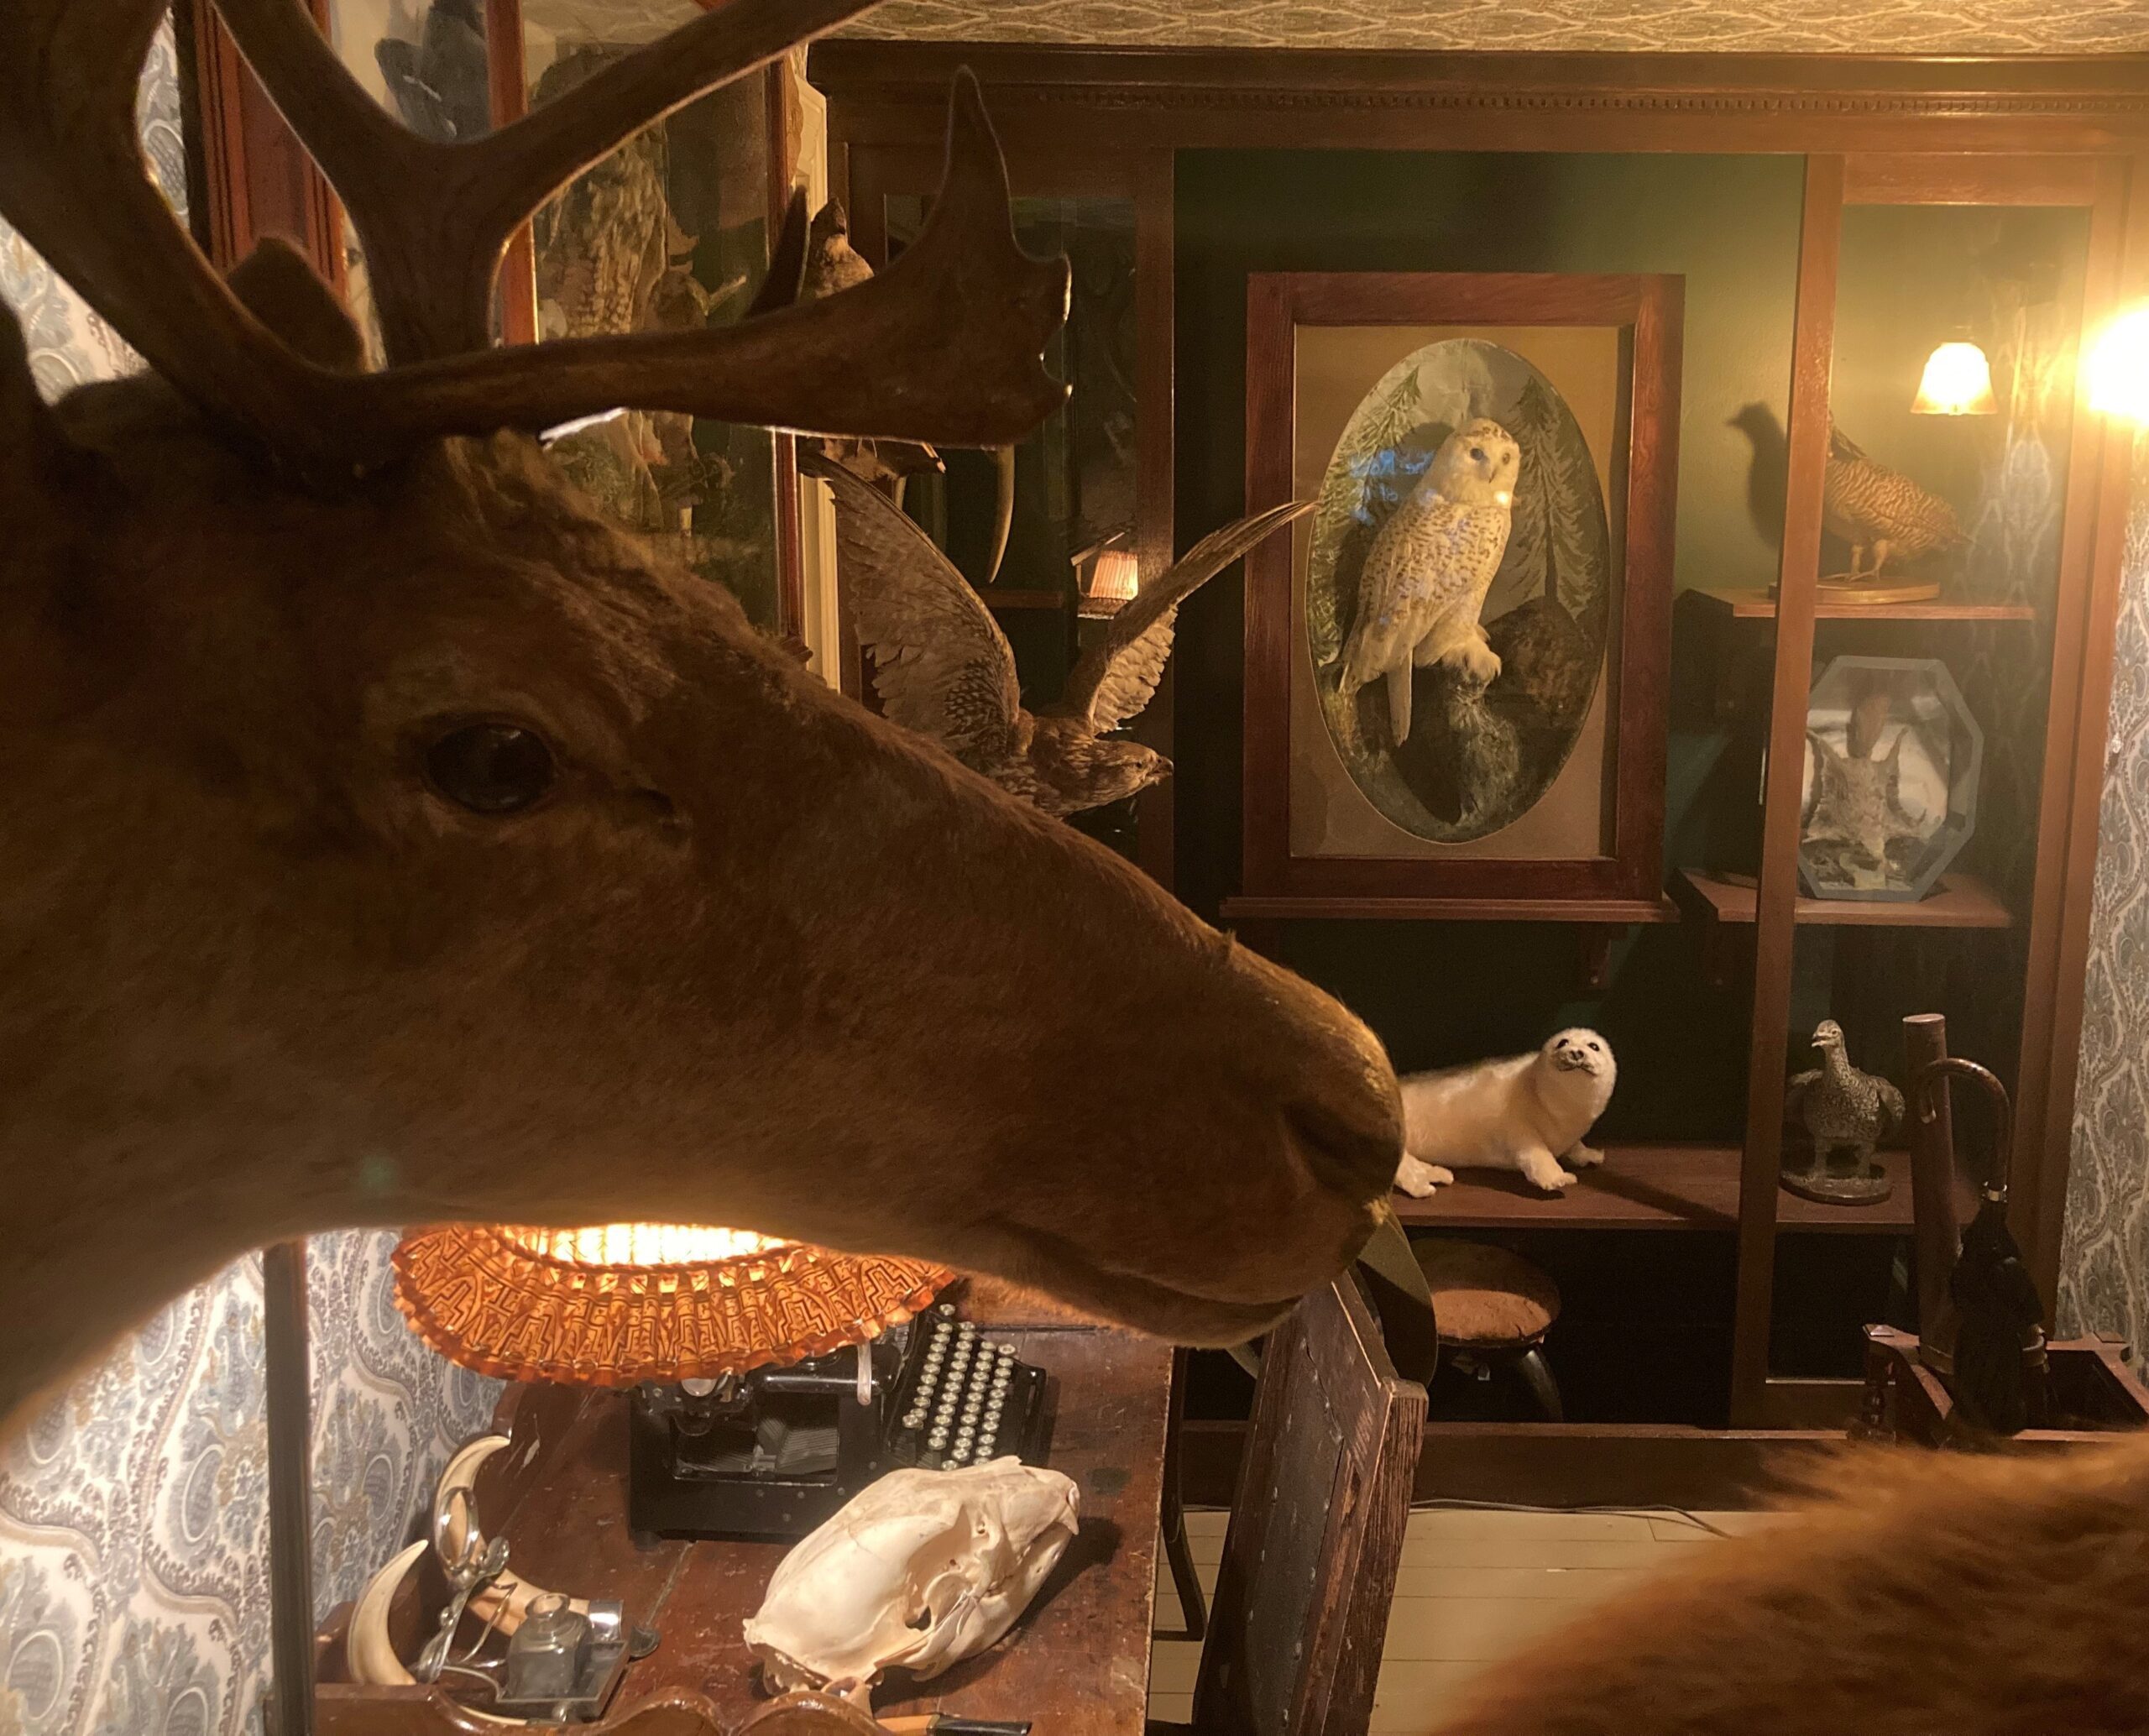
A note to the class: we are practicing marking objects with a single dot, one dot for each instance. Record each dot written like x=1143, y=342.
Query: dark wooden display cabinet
x=1832, y=220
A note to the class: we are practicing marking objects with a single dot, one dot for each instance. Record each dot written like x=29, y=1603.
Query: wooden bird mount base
x=1874, y=592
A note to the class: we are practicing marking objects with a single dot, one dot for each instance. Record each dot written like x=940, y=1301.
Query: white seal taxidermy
x=918, y=1572
x=1525, y=1112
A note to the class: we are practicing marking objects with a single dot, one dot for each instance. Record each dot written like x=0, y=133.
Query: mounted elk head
x=389, y=840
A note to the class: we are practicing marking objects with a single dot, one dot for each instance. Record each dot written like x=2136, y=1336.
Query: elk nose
x=1351, y=1150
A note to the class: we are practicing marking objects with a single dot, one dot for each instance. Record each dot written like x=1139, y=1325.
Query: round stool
x=1493, y=1307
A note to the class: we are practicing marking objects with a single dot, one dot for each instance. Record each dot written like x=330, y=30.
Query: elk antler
x=944, y=347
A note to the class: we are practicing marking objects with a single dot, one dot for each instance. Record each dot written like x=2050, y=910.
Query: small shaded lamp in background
x=1958, y=381
x=1116, y=577
x=1109, y=576
x=2119, y=367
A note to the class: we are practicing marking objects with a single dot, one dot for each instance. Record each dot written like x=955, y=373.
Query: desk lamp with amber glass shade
x=760, y=1369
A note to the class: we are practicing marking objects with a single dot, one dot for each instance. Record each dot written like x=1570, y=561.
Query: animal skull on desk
x=918, y=1572
x=393, y=841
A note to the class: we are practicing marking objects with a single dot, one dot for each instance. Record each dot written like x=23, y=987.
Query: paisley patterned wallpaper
x=2105, y=1281
x=134, y=1514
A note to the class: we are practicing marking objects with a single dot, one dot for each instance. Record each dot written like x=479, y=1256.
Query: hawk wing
x=1420, y=568
x=941, y=664
x=1118, y=675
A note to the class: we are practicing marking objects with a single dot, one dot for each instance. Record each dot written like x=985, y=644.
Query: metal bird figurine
x=942, y=668
x=1880, y=512
x=1848, y=1114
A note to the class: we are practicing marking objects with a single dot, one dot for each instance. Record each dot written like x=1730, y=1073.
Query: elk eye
x=491, y=768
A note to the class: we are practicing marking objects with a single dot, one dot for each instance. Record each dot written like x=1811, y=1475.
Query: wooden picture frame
x=1598, y=856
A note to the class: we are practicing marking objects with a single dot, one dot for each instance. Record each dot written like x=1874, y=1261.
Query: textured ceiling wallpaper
x=1979, y=27
x=1753, y=26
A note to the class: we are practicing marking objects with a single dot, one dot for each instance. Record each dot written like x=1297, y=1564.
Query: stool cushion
x=1486, y=1298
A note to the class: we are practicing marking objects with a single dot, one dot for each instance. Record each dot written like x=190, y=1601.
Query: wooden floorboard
x=1476, y=1588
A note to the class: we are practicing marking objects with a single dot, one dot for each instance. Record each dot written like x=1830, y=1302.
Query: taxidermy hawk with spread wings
x=1425, y=580
x=943, y=668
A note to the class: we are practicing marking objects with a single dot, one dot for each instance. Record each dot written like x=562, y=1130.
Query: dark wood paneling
x=1916, y=178
x=507, y=81
x=260, y=180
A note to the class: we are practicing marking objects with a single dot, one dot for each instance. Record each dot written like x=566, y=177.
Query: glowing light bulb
x=1957, y=382
x=2119, y=368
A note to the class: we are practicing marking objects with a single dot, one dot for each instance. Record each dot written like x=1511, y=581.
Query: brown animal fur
x=762, y=959
x=1933, y=1595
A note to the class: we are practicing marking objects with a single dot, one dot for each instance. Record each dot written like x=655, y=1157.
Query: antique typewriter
x=775, y=1452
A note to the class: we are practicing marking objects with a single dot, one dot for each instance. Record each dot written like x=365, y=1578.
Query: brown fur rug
x=1931, y=1595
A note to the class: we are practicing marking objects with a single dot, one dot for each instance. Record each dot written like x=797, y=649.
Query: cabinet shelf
x=1649, y=1187
x=1728, y=603
x=1961, y=900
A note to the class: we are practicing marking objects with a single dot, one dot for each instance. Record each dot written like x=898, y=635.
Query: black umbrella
x=1999, y=1373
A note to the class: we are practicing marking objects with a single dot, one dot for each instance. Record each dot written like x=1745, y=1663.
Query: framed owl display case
x=1455, y=670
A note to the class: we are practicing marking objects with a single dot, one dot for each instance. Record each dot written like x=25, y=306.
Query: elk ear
x=279, y=289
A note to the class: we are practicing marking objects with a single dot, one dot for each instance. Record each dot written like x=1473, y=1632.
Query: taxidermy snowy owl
x=1427, y=572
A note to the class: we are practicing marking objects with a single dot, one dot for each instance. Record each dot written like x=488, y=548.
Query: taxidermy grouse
x=942, y=668
x=1880, y=512
x=1848, y=1112
x=1425, y=580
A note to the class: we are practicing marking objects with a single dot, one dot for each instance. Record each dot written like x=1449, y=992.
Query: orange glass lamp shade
x=1116, y=577
x=1958, y=381
x=619, y=1304
x=2119, y=368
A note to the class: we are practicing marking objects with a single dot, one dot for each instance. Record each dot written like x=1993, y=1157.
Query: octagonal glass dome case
x=1893, y=760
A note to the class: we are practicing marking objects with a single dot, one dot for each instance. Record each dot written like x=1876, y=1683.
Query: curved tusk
x=368, y=1652
x=505, y=1603
x=1003, y=508
x=451, y=1529
x=371, y=1654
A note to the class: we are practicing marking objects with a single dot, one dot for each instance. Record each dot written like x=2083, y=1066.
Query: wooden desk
x=1077, y=1664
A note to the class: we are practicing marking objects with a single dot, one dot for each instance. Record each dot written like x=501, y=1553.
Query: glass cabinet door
x=1058, y=534
x=670, y=231
x=1913, y=714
